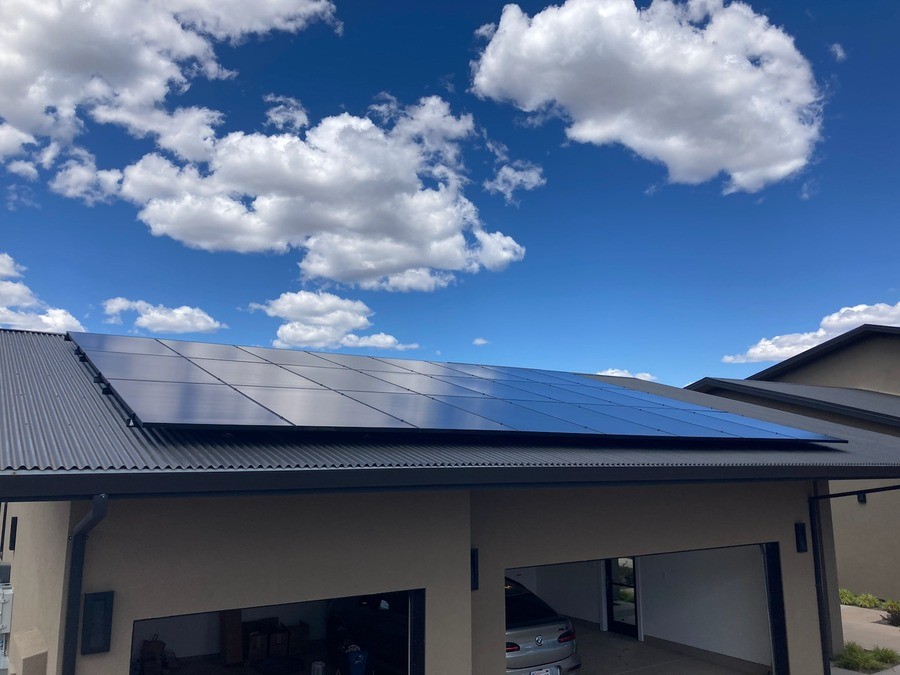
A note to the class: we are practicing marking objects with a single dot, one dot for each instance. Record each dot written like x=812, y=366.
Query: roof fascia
x=813, y=353
x=59, y=486
x=708, y=385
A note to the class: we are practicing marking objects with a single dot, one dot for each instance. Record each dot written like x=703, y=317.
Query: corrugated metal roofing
x=55, y=421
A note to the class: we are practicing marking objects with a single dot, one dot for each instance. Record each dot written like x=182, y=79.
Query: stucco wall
x=38, y=571
x=868, y=558
x=523, y=528
x=873, y=364
x=169, y=557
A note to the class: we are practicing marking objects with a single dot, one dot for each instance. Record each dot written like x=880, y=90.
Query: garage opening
x=381, y=634
x=711, y=611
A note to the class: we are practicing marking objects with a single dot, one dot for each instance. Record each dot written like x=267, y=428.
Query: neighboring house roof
x=60, y=437
x=817, y=352
x=859, y=404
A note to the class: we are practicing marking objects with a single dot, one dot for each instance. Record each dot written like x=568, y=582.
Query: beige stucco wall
x=167, y=557
x=873, y=363
x=38, y=571
x=866, y=539
x=524, y=528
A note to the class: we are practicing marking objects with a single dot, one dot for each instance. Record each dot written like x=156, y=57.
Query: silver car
x=538, y=640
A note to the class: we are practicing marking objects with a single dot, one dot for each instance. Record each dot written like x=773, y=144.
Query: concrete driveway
x=866, y=628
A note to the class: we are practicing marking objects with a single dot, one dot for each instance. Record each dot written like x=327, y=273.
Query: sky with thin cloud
x=662, y=190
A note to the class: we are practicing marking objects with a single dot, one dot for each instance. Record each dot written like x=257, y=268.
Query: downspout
x=815, y=521
x=76, y=578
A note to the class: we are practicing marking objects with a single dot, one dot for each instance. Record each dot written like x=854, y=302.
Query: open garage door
x=381, y=633
x=711, y=611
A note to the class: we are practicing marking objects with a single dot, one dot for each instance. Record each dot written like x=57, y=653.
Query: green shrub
x=863, y=660
x=625, y=595
x=864, y=600
x=892, y=607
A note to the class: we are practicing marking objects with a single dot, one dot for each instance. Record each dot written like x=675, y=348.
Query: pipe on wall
x=79, y=537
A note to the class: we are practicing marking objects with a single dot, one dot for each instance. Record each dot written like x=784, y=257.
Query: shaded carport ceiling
x=59, y=438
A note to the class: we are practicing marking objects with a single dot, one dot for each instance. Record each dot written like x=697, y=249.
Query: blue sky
x=678, y=190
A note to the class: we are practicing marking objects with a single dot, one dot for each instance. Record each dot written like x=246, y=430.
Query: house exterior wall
x=38, y=571
x=865, y=548
x=168, y=557
x=525, y=528
x=872, y=363
x=866, y=538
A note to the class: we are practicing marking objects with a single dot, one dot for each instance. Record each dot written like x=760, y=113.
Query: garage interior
x=354, y=636
x=704, y=612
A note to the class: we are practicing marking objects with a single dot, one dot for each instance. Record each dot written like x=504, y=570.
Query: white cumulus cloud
x=518, y=175
x=480, y=342
x=286, y=113
x=129, y=55
x=323, y=320
x=619, y=372
x=21, y=309
x=9, y=268
x=702, y=87
x=785, y=346
x=381, y=207
x=161, y=319
x=79, y=178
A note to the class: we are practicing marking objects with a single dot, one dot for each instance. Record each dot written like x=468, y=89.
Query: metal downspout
x=815, y=520
x=76, y=577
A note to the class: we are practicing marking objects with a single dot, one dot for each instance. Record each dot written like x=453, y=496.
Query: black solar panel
x=179, y=383
x=288, y=357
x=119, y=343
x=191, y=404
x=321, y=408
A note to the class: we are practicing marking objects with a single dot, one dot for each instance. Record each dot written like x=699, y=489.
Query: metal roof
x=851, y=336
x=61, y=437
x=861, y=404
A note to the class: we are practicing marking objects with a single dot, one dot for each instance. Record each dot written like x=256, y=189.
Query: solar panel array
x=176, y=383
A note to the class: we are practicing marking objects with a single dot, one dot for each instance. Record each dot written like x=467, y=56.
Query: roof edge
x=708, y=385
x=835, y=343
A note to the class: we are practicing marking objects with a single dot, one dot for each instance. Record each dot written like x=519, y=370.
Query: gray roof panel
x=55, y=423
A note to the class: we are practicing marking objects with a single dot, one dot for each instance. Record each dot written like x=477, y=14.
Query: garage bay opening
x=710, y=612
x=381, y=633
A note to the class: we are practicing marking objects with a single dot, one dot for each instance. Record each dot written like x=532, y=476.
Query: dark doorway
x=621, y=596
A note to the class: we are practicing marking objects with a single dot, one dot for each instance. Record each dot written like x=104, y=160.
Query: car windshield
x=524, y=608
